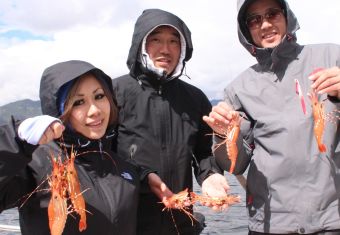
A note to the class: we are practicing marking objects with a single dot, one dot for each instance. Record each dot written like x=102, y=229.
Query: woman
x=81, y=96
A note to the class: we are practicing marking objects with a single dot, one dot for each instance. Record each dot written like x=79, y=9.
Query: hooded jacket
x=109, y=185
x=161, y=126
x=291, y=186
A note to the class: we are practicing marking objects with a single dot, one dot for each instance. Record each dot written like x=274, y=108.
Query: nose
x=164, y=48
x=265, y=23
x=93, y=110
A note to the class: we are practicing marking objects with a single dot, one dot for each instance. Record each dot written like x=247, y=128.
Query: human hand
x=159, y=188
x=220, y=117
x=53, y=131
x=215, y=186
x=327, y=81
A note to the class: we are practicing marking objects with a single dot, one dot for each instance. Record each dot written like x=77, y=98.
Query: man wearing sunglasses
x=293, y=187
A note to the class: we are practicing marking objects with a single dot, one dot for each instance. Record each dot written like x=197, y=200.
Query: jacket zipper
x=101, y=148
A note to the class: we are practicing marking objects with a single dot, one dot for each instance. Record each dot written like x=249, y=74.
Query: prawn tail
x=322, y=148
x=232, y=167
x=82, y=225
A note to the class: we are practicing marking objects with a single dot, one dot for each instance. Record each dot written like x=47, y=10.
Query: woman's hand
x=53, y=131
x=40, y=129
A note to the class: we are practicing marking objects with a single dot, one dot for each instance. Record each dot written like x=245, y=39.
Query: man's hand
x=159, y=188
x=215, y=186
x=327, y=81
x=219, y=117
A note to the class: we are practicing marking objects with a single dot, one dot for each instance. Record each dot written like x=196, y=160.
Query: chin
x=270, y=45
x=95, y=136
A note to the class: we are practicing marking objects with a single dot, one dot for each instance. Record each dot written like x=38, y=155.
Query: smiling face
x=90, y=112
x=164, y=48
x=271, y=31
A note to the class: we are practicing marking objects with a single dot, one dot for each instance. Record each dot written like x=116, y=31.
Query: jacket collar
x=81, y=144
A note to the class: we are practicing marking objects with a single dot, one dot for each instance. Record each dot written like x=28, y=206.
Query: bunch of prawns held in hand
x=64, y=186
x=319, y=116
x=184, y=199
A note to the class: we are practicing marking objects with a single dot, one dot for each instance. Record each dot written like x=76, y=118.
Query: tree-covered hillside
x=20, y=109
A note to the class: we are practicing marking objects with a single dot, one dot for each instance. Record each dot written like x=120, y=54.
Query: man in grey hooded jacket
x=293, y=186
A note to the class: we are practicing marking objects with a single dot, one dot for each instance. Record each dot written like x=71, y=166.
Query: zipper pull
x=160, y=90
x=100, y=146
x=162, y=79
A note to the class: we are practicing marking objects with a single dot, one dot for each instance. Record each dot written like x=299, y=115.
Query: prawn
x=228, y=199
x=74, y=193
x=180, y=201
x=231, y=136
x=319, y=121
x=57, y=207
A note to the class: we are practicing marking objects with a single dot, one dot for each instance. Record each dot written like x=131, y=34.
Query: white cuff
x=32, y=129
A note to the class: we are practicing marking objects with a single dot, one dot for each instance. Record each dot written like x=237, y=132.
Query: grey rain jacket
x=291, y=187
x=110, y=185
x=161, y=127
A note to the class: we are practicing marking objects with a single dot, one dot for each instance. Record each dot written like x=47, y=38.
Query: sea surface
x=233, y=221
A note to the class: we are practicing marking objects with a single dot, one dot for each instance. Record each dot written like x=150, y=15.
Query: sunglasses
x=272, y=15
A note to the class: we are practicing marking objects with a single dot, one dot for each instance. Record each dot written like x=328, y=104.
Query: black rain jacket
x=110, y=185
x=161, y=127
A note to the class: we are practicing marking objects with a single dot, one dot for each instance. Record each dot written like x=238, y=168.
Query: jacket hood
x=57, y=75
x=149, y=20
x=244, y=35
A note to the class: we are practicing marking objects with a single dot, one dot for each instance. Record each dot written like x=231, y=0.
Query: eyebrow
x=93, y=92
x=157, y=31
x=261, y=13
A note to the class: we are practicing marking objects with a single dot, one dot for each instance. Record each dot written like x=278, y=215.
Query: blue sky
x=35, y=34
x=23, y=35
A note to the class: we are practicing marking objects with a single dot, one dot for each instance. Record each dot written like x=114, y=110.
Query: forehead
x=88, y=81
x=165, y=29
x=262, y=5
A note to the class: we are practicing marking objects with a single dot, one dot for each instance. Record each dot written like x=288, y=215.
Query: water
x=232, y=221
x=9, y=217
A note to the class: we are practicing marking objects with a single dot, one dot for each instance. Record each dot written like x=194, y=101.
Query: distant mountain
x=20, y=110
x=214, y=102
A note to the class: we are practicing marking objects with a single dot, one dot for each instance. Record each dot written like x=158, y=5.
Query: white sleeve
x=32, y=129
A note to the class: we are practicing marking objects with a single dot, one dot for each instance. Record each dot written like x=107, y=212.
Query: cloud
x=36, y=34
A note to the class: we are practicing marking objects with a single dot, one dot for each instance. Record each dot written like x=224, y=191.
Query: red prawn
x=74, y=192
x=231, y=137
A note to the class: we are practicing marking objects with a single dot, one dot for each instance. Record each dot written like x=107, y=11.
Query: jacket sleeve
x=245, y=142
x=14, y=157
x=204, y=164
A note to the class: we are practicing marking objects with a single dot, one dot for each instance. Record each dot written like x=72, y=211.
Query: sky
x=35, y=34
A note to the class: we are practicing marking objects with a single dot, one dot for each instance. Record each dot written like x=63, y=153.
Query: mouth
x=164, y=60
x=269, y=35
x=95, y=124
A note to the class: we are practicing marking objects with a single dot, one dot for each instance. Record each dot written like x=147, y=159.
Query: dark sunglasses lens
x=273, y=14
x=253, y=21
